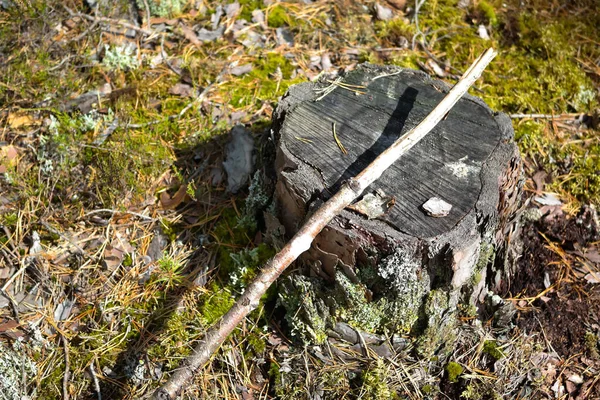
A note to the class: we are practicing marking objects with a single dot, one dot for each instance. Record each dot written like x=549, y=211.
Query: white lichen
x=120, y=58
x=163, y=8
x=16, y=370
x=460, y=168
x=408, y=284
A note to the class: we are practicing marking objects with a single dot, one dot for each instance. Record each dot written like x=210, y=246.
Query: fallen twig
x=67, y=374
x=302, y=240
x=97, y=19
x=95, y=380
x=113, y=212
x=545, y=116
x=89, y=28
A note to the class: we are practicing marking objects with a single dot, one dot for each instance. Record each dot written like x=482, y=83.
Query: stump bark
x=389, y=263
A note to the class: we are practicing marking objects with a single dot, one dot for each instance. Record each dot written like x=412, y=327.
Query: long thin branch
x=302, y=240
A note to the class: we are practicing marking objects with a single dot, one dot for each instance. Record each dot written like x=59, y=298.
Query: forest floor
x=120, y=243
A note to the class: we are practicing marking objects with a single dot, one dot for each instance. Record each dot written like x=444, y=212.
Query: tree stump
x=395, y=261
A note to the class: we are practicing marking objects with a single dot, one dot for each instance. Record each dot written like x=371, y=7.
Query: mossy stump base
x=386, y=264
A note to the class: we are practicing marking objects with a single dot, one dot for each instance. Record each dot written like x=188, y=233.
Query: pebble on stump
x=422, y=239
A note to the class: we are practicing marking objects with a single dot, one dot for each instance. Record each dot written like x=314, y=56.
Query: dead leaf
x=373, y=205
x=274, y=340
x=161, y=20
x=593, y=255
x=8, y=157
x=8, y=326
x=181, y=89
x=113, y=257
x=10, y=329
x=398, y=4
x=592, y=278
x=383, y=13
x=435, y=67
x=170, y=202
x=17, y=120
x=540, y=181
x=571, y=387
x=63, y=310
x=241, y=69
x=4, y=273
x=191, y=35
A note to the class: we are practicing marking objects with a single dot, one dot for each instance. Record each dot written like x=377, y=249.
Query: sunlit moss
x=270, y=78
x=488, y=11
x=374, y=383
x=278, y=17
x=491, y=348
x=454, y=370
x=216, y=304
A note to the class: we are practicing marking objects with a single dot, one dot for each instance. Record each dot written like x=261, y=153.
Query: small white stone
x=576, y=379
x=483, y=33
x=548, y=199
x=435, y=207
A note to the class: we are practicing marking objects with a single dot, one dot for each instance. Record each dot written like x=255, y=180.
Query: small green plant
x=278, y=17
x=217, y=304
x=488, y=11
x=591, y=342
x=491, y=348
x=375, y=386
x=170, y=272
x=454, y=370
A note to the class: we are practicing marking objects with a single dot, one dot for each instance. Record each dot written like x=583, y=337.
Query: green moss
x=491, y=348
x=476, y=390
x=436, y=328
x=591, y=343
x=395, y=29
x=454, y=370
x=275, y=374
x=440, y=14
x=306, y=313
x=217, y=304
x=406, y=60
x=574, y=168
x=488, y=11
x=256, y=343
x=428, y=389
x=269, y=79
x=278, y=17
x=287, y=384
x=248, y=6
x=374, y=383
x=335, y=382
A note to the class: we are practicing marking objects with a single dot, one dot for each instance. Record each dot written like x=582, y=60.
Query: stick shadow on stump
x=389, y=263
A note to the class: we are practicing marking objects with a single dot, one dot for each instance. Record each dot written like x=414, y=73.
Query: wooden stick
x=302, y=240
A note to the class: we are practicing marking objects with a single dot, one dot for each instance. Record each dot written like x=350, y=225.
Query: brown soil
x=559, y=250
